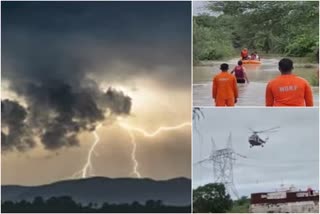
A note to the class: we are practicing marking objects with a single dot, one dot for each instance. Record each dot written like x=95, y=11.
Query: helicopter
x=255, y=140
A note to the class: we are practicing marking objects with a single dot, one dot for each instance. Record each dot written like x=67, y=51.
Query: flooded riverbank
x=251, y=94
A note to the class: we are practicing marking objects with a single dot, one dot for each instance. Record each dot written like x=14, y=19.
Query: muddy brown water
x=251, y=94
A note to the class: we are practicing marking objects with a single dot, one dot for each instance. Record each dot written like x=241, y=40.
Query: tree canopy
x=211, y=198
x=286, y=27
x=65, y=204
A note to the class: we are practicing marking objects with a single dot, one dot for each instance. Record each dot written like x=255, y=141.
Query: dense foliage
x=241, y=205
x=211, y=198
x=66, y=204
x=285, y=27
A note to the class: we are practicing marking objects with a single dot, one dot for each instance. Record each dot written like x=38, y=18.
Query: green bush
x=315, y=80
x=211, y=198
x=210, y=44
x=301, y=46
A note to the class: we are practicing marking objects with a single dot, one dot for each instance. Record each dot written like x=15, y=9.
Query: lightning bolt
x=87, y=167
x=130, y=130
x=133, y=155
x=159, y=130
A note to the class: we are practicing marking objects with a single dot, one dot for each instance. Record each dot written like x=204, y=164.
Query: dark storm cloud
x=57, y=114
x=117, y=101
x=18, y=134
x=51, y=50
x=143, y=35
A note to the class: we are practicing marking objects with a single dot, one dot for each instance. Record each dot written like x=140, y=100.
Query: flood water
x=252, y=94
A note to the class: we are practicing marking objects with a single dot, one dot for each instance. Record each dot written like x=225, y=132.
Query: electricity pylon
x=222, y=163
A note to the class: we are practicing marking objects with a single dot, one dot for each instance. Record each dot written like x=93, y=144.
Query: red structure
x=285, y=202
x=283, y=197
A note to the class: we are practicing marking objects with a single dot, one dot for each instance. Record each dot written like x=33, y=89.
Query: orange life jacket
x=289, y=90
x=224, y=86
x=244, y=53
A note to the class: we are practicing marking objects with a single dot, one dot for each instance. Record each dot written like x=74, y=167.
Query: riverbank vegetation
x=283, y=28
x=213, y=198
x=65, y=204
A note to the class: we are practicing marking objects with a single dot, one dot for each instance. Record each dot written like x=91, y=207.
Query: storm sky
x=290, y=157
x=68, y=66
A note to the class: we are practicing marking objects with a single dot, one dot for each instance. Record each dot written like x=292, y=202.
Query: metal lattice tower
x=222, y=162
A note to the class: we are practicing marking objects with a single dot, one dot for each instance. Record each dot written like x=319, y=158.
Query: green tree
x=243, y=200
x=66, y=204
x=209, y=41
x=211, y=198
x=286, y=27
x=241, y=205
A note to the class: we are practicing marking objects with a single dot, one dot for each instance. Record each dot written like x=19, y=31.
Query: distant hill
x=98, y=190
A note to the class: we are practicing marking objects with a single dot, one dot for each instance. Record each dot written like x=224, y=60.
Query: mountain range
x=176, y=191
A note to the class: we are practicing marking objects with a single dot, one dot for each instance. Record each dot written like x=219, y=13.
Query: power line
x=222, y=161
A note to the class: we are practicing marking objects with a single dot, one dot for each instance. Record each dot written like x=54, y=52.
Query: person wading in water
x=240, y=73
x=224, y=87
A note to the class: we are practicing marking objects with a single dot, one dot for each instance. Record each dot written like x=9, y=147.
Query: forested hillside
x=285, y=28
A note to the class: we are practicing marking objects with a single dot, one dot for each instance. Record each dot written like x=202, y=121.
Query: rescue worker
x=224, y=87
x=244, y=54
x=240, y=73
x=288, y=89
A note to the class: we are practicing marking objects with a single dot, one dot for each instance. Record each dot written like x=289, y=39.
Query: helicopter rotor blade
x=269, y=130
x=251, y=129
x=274, y=131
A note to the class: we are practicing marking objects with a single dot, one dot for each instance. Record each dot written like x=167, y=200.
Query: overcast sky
x=290, y=157
x=58, y=61
x=200, y=7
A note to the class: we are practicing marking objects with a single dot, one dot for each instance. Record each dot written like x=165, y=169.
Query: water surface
x=251, y=94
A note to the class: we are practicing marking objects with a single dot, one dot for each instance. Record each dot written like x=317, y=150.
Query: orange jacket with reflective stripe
x=224, y=86
x=289, y=90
